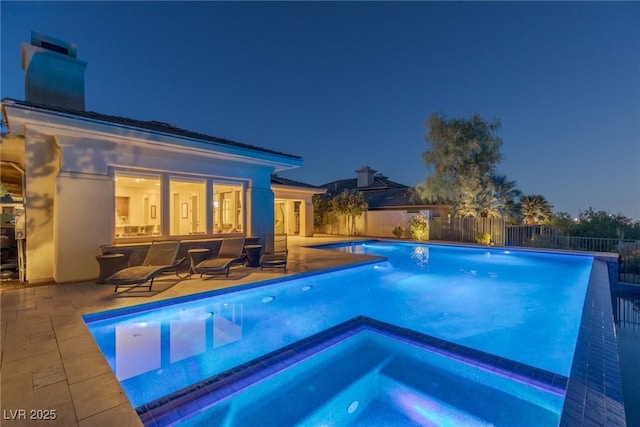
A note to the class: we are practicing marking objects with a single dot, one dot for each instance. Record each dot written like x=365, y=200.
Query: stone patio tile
x=122, y=416
x=69, y=326
x=55, y=397
x=41, y=336
x=31, y=364
x=76, y=346
x=57, y=309
x=25, y=350
x=8, y=313
x=15, y=383
x=46, y=376
x=85, y=366
x=96, y=395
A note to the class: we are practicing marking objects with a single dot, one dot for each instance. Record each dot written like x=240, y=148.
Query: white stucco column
x=83, y=222
x=290, y=221
x=306, y=218
x=42, y=163
x=259, y=212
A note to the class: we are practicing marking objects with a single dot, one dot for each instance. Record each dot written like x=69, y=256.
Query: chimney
x=53, y=74
x=365, y=176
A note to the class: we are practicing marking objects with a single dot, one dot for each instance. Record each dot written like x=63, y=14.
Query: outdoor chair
x=275, y=254
x=231, y=252
x=160, y=259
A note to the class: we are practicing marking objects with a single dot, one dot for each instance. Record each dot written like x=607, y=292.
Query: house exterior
x=293, y=206
x=389, y=203
x=87, y=179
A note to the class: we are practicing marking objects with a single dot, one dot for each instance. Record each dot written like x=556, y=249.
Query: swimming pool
x=520, y=306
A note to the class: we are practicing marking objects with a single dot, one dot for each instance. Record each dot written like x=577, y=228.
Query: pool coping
x=594, y=395
x=187, y=402
x=139, y=308
x=607, y=256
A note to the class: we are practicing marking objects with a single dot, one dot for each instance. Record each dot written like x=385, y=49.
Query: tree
x=564, y=223
x=593, y=223
x=498, y=199
x=322, y=211
x=535, y=209
x=350, y=204
x=461, y=158
x=419, y=226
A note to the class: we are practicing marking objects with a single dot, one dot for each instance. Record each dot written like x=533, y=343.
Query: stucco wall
x=83, y=217
x=83, y=222
x=42, y=160
x=381, y=223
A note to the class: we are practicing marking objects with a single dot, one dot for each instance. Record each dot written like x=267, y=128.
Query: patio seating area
x=49, y=360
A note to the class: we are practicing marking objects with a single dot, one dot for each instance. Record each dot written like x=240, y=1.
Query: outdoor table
x=253, y=255
x=196, y=256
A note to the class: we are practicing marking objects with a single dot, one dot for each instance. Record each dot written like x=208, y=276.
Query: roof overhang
x=291, y=189
x=21, y=117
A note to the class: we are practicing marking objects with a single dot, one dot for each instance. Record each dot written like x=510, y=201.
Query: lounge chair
x=275, y=254
x=231, y=252
x=160, y=259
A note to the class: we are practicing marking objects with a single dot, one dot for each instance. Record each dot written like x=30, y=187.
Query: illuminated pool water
x=368, y=373
x=521, y=306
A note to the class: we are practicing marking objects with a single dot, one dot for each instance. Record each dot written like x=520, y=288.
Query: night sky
x=350, y=84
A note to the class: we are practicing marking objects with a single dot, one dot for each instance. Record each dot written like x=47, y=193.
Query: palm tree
x=535, y=209
x=498, y=199
x=506, y=195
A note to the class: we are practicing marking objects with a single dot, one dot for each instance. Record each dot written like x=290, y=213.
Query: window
x=190, y=205
x=228, y=208
x=137, y=196
x=187, y=207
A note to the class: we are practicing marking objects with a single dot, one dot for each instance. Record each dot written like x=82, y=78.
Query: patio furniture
x=231, y=252
x=253, y=255
x=196, y=256
x=110, y=264
x=275, y=254
x=160, y=259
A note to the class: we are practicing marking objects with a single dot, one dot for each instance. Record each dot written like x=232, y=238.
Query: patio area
x=51, y=365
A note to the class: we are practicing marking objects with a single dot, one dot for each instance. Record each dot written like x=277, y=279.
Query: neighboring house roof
x=379, y=183
x=152, y=125
x=382, y=193
x=278, y=180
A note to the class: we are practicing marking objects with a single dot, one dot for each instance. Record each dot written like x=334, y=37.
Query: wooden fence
x=466, y=229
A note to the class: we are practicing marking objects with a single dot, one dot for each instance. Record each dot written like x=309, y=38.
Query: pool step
x=300, y=394
x=426, y=391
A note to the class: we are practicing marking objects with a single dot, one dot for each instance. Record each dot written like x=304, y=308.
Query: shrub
x=483, y=239
x=419, y=226
x=398, y=231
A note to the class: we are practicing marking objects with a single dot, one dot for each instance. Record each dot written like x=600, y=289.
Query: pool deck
x=49, y=360
x=50, y=364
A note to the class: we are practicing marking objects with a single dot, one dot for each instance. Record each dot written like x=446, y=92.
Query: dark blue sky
x=350, y=84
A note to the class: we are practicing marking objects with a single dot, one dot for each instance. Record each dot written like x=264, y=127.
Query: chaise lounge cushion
x=231, y=252
x=135, y=275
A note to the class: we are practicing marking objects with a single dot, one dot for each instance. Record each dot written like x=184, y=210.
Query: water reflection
x=227, y=324
x=143, y=346
x=626, y=309
x=137, y=349
x=420, y=256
